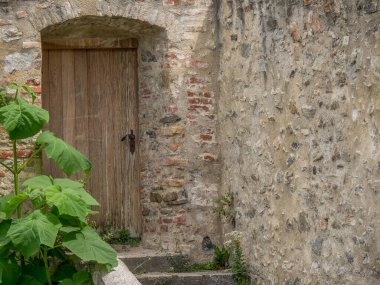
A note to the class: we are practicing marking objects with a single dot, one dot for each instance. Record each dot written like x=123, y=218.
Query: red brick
x=195, y=80
x=198, y=108
x=5, y=154
x=171, y=2
x=164, y=228
x=36, y=89
x=188, y=2
x=149, y=229
x=180, y=219
x=33, y=82
x=206, y=137
x=24, y=153
x=171, y=55
x=174, y=161
x=167, y=220
x=205, y=94
x=169, y=64
x=173, y=182
x=208, y=157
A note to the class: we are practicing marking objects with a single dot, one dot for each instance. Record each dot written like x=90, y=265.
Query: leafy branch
x=41, y=247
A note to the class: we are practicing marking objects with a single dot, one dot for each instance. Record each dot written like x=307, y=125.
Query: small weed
x=181, y=263
x=239, y=267
x=221, y=257
x=207, y=266
x=121, y=236
x=224, y=206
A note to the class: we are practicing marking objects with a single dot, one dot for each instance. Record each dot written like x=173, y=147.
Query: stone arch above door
x=48, y=14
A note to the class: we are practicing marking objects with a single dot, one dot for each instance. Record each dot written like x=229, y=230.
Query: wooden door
x=91, y=95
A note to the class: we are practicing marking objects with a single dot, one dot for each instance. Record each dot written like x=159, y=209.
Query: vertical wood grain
x=81, y=106
x=68, y=96
x=97, y=131
x=55, y=101
x=92, y=98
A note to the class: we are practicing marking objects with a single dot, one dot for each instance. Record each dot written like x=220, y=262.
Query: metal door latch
x=132, y=141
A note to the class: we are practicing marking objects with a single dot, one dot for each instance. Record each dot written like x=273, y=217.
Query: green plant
x=206, y=266
x=224, y=206
x=126, y=238
x=181, y=263
x=221, y=257
x=121, y=236
x=239, y=267
x=43, y=224
x=4, y=97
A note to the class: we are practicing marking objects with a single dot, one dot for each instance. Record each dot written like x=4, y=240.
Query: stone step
x=189, y=278
x=145, y=261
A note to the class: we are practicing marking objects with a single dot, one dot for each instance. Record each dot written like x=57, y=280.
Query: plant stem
x=46, y=265
x=25, y=164
x=7, y=167
x=15, y=176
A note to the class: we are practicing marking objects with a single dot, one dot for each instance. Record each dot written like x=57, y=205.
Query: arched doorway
x=89, y=78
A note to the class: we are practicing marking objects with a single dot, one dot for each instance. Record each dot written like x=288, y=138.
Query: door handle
x=131, y=140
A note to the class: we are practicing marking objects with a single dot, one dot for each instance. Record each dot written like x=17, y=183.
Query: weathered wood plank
x=45, y=101
x=68, y=96
x=97, y=131
x=81, y=106
x=55, y=102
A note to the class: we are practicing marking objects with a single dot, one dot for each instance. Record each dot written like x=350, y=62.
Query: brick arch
x=45, y=15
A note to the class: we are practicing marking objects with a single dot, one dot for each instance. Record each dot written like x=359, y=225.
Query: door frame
x=99, y=43
x=89, y=43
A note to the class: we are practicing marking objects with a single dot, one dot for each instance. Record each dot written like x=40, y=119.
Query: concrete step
x=190, y=278
x=142, y=261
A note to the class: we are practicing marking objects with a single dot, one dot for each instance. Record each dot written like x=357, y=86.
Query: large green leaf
x=29, y=233
x=22, y=120
x=4, y=227
x=10, y=271
x=37, y=196
x=66, y=202
x=4, y=200
x=88, y=246
x=68, y=159
x=35, y=189
x=67, y=185
x=65, y=270
x=79, y=278
x=38, y=182
x=86, y=197
x=34, y=274
x=12, y=204
x=76, y=187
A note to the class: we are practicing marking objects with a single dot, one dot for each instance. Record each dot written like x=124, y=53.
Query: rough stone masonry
x=298, y=117
x=276, y=101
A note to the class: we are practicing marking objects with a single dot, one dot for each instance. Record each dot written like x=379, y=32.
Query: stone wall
x=299, y=132
x=180, y=166
x=275, y=101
